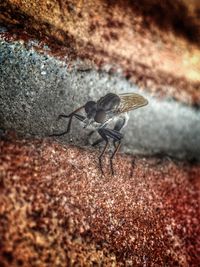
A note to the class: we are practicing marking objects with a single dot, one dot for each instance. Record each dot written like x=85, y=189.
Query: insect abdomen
x=108, y=102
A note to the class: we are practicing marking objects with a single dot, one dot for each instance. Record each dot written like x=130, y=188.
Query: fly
x=109, y=108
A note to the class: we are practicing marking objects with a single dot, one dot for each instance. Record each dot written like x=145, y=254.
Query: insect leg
x=78, y=116
x=104, y=137
x=70, y=116
x=118, y=126
x=116, y=136
x=114, y=153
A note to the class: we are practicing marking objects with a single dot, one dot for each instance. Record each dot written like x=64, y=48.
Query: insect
x=110, y=109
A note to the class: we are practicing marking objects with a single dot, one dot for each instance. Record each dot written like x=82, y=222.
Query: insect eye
x=90, y=107
x=100, y=116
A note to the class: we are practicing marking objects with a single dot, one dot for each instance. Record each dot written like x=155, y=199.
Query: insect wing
x=131, y=101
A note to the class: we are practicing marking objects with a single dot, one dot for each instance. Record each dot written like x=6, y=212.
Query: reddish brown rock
x=56, y=209
x=154, y=43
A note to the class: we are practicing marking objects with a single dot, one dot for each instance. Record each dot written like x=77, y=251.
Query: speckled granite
x=57, y=210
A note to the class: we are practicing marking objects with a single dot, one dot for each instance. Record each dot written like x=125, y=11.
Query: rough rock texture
x=154, y=43
x=35, y=89
x=57, y=210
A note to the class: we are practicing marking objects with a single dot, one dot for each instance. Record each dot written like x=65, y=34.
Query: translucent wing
x=131, y=101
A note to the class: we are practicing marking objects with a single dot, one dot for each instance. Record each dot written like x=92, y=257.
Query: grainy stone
x=149, y=41
x=35, y=88
x=57, y=210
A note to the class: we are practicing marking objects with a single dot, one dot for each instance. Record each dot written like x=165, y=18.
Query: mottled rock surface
x=153, y=43
x=36, y=88
x=56, y=209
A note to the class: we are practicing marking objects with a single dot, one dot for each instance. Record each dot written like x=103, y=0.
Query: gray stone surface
x=35, y=88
